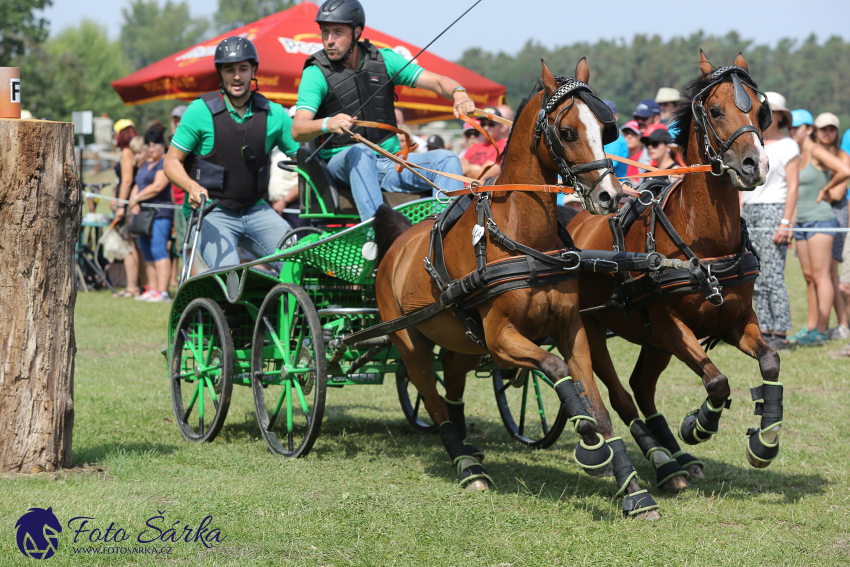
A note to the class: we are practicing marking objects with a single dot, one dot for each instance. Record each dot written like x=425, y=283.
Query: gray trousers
x=770, y=298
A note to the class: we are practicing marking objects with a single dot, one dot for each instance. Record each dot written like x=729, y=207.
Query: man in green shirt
x=338, y=80
x=221, y=150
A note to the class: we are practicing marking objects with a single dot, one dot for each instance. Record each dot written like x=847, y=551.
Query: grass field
x=373, y=492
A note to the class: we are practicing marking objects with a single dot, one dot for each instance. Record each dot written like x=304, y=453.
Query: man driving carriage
x=341, y=78
x=221, y=150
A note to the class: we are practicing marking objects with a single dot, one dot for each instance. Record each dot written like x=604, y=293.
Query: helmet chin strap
x=353, y=46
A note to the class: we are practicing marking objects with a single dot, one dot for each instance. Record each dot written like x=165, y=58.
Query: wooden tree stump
x=40, y=220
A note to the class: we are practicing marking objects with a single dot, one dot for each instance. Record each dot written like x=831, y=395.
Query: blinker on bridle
x=549, y=132
x=743, y=102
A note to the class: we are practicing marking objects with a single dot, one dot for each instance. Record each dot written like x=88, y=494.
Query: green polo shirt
x=314, y=88
x=196, y=133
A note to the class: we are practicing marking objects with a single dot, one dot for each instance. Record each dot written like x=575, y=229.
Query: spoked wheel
x=529, y=406
x=201, y=370
x=289, y=371
x=412, y=404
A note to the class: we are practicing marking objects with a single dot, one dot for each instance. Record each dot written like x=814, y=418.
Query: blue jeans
x=367, y=174
x=155, y=247
x=833, y=223
x=257, y=229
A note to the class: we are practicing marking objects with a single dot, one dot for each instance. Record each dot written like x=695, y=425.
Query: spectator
x=820, y=172
x=647, y=113
x=637, y=152
x=618, y=147
x=471, y=136
x=668, y=99
x=657, y=140
x=152, y=188
x=478, y=157
x=507, y=112
x=436, y=143
x=177, y=197
x=125, y=172
x=844, y=279
x=826, y=135
x=414, y=139
x=772, y=206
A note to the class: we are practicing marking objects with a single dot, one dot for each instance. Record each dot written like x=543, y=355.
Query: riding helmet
x=234, y=49
x=349, y=12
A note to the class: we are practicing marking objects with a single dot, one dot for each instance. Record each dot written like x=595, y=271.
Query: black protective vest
x=348, y=89
x=237, y=184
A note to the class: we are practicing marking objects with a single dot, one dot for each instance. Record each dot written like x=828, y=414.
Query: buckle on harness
x=609, y=266
x=652, y=199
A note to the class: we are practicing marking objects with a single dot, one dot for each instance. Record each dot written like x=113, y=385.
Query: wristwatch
x=458, y=89
x=785, y=222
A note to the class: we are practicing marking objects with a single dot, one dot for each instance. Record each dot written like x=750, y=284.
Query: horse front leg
x=763, y=445
x=701, y=424
x=574, y=347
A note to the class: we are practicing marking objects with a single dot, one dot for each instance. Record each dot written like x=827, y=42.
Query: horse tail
x=389, y=225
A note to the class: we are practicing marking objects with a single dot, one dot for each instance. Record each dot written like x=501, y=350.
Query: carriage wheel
x=201, y=370
x=412, y=405
x=289, y=371
x=292, y=237
x=529, y=406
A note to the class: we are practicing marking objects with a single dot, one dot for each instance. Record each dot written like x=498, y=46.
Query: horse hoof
x=607, y=470
x=696, y=472
x=477, y=485
x=755, y=463
x=652, y=515
x=675, y=484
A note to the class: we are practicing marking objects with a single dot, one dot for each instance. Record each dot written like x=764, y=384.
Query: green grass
x=373, y=492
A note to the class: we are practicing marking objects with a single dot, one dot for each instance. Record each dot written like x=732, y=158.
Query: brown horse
x=569, y=136
x=722, y=126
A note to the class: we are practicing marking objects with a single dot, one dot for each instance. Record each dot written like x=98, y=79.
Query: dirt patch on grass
x=83, y=470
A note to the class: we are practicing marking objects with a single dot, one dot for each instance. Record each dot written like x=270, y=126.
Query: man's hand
x=195, y=192
x=462, y=104
x=337, y=123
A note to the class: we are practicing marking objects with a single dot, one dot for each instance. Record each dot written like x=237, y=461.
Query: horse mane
x=535, y=88
x=683, y=116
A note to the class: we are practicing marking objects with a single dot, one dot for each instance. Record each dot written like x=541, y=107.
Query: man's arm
x=304, y=128
x=173, y=168
x=445, y=87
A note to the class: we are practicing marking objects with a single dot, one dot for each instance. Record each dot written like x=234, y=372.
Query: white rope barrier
x=768, y=229
x=90, y=195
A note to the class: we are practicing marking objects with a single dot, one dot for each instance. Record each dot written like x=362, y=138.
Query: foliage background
x=71, y=69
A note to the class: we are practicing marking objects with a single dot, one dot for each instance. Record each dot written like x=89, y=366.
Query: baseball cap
x=469, y=130
x=178, y=111
x=801, y=116
x=611, y=105
x=631, y=125
x=646, y=108
x=777, y=104
x=825, y=119
x=435, y=143
x=656, y=133
x=667, y=94
x=122, y=124
x=490, y=110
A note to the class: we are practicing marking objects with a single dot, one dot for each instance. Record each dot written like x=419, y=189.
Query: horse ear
x=741, y=62
x=704, y=66
x=550, y=84
x=583, y=71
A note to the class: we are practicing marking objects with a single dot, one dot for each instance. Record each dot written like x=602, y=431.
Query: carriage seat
x=337, y=198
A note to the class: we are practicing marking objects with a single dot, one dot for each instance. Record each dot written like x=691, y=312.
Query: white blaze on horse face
x=763, y=159
x=593, y=132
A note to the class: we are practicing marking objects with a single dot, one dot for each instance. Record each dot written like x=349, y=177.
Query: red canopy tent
x=284, y=41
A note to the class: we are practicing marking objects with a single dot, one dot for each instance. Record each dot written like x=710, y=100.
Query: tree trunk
x=39, y=224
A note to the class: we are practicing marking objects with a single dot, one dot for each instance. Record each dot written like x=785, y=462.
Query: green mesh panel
x=340, y=256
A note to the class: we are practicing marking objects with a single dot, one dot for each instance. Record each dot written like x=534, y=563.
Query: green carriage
x=280, y=334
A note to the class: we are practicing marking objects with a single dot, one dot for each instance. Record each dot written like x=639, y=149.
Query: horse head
x=731, y=115
x=571, y=129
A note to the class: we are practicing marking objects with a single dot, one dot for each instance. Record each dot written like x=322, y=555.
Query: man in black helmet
x=338, y=80
x=221, y=150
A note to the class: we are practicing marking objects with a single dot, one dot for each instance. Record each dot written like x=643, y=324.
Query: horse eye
x=567, y=134
x=714, y=111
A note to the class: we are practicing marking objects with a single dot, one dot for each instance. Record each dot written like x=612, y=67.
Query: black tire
x=295, y=234
x=411, y=401
x=202, y=355
x=512, y=388
x=288, y=310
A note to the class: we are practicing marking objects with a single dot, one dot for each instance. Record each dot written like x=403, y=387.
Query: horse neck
x=706, y=210
x=530, y=218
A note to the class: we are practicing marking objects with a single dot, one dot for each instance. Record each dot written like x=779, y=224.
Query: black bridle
x=703, y=125
x=549, y=132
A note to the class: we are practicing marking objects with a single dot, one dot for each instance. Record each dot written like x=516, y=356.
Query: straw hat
x=667, y=94
x=777, y=104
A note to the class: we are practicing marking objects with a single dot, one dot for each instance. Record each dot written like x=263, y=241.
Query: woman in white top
x=773, y=206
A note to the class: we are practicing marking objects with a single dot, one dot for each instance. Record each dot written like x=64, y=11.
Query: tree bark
x=40, y=220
